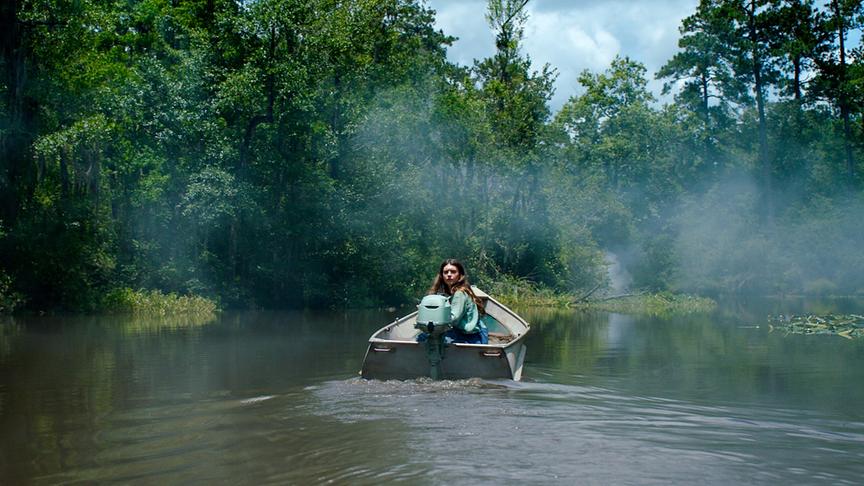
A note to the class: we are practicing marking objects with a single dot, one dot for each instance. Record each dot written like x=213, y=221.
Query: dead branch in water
x=621, y=296
x=585, y=297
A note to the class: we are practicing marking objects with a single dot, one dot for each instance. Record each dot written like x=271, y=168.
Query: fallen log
x=585, y=297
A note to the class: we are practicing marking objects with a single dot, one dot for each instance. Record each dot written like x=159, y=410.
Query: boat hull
x=402, y=361
x=394, y=354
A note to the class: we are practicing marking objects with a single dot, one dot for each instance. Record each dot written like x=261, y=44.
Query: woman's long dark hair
x=439, y=286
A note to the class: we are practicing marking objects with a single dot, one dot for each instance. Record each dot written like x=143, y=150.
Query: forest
x=325, y=153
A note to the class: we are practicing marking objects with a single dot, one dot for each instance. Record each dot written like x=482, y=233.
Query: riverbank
x=157, y=303
x=154, y=303
x=657, y=303
x=654, y=304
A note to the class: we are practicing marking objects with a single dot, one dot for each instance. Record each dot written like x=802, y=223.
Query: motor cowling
x=433, y=314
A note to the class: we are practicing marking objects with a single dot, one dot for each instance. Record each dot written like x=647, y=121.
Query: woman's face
x=451, y=274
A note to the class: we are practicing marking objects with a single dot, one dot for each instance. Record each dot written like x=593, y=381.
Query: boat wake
x=254, y=400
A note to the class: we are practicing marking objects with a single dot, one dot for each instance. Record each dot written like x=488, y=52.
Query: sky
x=573, y=35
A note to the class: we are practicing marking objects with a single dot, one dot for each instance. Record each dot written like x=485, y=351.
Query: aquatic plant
x=156, y=303
x=152, y=324
x=849, y=326
x=515, y=291
x=520, y=292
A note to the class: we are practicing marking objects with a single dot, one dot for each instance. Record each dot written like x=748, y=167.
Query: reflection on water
x=547, y=432
x=274, y=397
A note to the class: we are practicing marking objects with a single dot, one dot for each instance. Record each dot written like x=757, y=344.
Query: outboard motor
x=433, y=318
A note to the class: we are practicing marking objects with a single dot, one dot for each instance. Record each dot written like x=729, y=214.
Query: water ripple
x=568, y=431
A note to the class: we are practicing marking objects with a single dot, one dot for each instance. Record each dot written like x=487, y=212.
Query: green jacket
x=463, y=313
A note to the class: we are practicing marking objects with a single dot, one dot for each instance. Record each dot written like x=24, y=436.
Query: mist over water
x=726, y=243
x=619, y=278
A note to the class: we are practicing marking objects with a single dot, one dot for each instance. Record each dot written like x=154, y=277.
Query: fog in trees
x=284, y=153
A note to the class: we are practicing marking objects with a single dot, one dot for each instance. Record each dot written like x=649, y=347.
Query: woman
x=466, y=309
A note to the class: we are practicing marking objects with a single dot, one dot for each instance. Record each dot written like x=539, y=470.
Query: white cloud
x=574, y=35
x=467, y=21
x=572, y=48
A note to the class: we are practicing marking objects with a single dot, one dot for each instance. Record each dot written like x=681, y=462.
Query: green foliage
x=514, y=291
x=517, y=292
x=9, y=298
x=287, y=153
x=663, y=303
x=156, y=303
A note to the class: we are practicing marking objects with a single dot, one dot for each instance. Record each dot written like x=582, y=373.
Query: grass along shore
x=523, y=294
x=157, y=303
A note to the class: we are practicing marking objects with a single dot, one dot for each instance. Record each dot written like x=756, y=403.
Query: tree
x=702, y=63
x=798, y=40
x=740, y=34
x=611, y=125
x=516, y=99
x=755, y=67
x=709, y=87
x=845, y=15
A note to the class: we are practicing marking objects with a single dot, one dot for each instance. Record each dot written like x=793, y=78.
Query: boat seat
x=499, y=338
x=404, y=333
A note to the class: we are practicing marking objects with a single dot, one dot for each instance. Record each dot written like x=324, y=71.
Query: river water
x=274, y=398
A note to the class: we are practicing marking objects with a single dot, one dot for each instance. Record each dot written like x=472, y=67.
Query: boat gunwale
x=517, y=337
x=461, y=345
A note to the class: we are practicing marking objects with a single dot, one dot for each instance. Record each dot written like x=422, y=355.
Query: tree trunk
x=796, y=81
x=64, y=173
x=759, y=91
x=17, y=174
x=706, y=120
x=843, y=102
x=334, y=166
x=259, y=119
